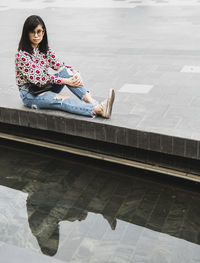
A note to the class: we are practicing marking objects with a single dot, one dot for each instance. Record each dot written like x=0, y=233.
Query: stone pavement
x=149, y=53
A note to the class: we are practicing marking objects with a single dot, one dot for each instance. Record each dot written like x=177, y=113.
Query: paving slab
x=149, y=53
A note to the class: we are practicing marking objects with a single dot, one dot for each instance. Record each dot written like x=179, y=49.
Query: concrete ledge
x=102, y=137
x=100, y=130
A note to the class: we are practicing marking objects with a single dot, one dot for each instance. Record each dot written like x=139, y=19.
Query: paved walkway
x=149, y=54
x=20, y=4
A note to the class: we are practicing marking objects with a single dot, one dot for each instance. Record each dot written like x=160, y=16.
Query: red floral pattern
x=34, y=68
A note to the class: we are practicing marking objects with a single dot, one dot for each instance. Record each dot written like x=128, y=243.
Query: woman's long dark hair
x=29, y=25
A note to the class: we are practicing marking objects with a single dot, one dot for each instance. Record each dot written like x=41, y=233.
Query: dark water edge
x=81, y=210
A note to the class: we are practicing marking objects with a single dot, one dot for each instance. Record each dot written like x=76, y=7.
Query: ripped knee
x=60, y=96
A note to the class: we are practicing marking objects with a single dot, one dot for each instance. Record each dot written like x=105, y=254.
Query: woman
x=32, y=61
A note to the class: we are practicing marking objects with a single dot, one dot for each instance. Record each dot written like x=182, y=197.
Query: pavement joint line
x=103, y=157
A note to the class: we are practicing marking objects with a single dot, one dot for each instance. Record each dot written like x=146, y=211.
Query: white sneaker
x=107, y=104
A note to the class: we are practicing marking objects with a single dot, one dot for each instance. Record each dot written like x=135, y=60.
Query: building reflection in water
x=63, y=190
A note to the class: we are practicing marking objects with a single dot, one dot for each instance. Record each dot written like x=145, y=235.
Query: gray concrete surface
x=153, y=48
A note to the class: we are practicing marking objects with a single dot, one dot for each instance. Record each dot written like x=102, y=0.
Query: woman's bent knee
x=61, y=96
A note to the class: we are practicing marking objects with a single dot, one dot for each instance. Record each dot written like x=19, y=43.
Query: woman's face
x=36, y=36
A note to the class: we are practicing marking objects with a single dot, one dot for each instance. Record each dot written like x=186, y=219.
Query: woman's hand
x=75, y=81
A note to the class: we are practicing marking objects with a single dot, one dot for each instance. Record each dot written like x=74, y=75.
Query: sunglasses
x=39, y=32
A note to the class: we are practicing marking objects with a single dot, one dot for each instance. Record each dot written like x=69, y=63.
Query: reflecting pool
x=58, y=208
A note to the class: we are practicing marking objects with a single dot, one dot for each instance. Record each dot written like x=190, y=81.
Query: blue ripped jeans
x=48, y=100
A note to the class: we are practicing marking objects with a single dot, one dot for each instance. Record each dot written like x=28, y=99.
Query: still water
x=59, y=208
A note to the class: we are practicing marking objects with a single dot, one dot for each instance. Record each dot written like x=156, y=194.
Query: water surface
x=85, y=211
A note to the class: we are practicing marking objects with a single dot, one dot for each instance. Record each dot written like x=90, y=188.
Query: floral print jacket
x=33, y=68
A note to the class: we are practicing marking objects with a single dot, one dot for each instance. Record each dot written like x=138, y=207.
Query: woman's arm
x=53, y=60
x=33, y=72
